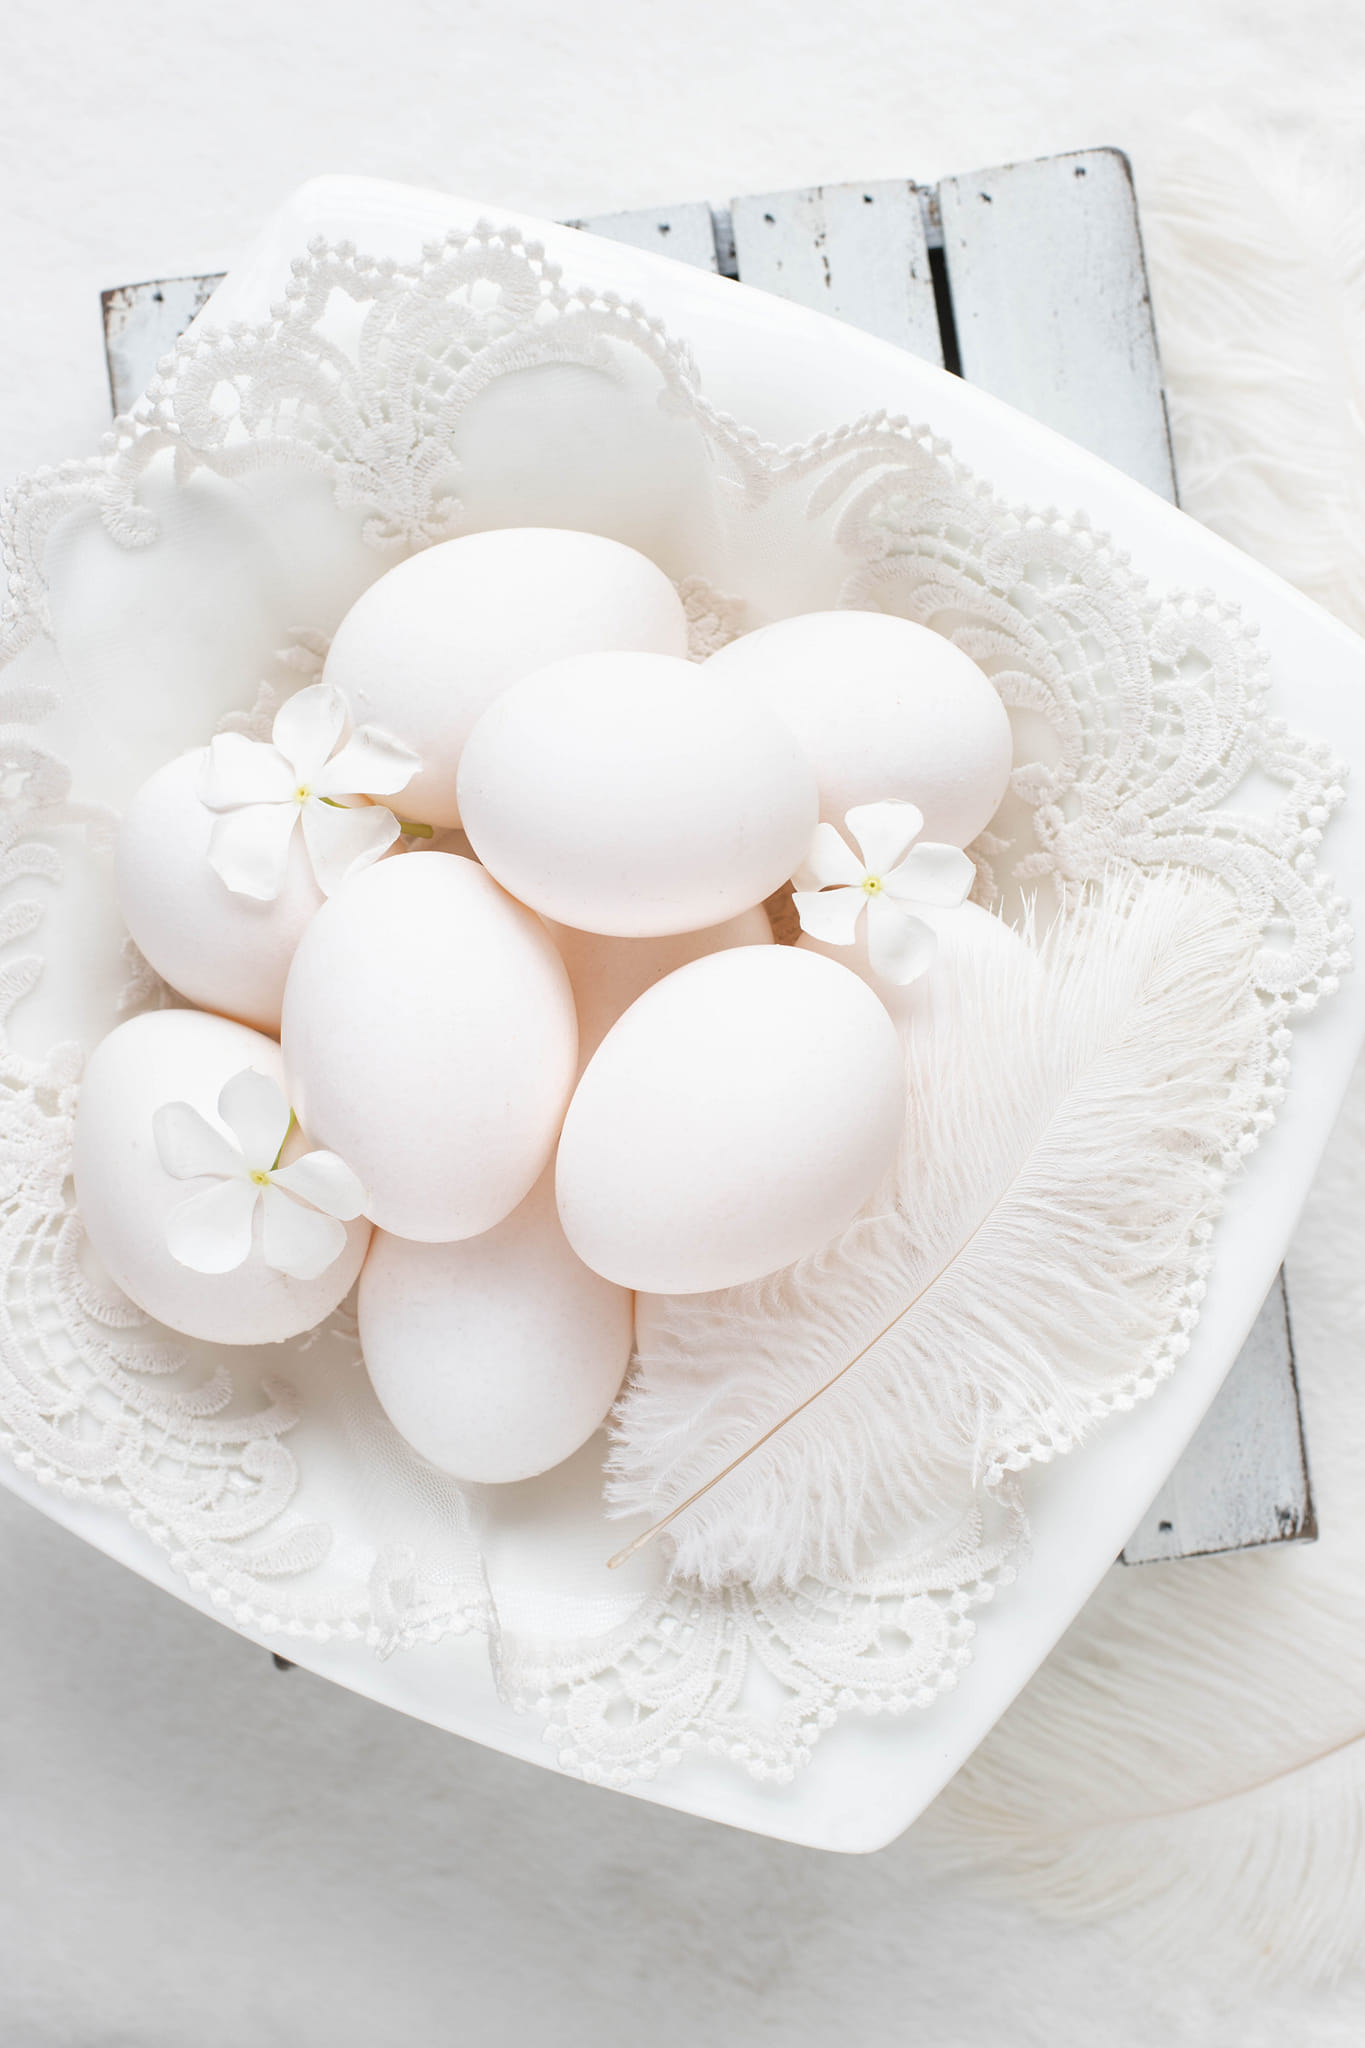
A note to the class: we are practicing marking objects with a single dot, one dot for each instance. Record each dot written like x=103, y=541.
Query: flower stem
x=409, y=827
x=289, y=1129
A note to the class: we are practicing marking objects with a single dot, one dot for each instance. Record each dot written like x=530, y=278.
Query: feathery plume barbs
x=1075, y=1108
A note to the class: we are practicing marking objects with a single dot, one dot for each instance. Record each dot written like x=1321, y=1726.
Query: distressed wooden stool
x=1029, y=281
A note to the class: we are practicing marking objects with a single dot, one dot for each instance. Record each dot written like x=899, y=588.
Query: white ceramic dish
x=791, y=375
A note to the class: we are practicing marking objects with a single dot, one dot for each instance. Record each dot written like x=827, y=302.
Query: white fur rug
x=1195, y=1750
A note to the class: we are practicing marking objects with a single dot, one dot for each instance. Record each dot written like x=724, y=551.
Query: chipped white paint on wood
x=856, y=251
x=1050, y=302
x=1247, y=1462
x=687, y=233
x=1049, y=292
x=1243, y=1480
x=141, y=322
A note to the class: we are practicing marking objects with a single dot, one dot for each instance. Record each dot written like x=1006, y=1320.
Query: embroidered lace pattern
x=375, y=380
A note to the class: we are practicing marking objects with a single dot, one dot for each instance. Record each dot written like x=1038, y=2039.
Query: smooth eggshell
x=498, y=1357
x=737, y=1116
x=608, y=974
x=884, y=708
x=124, y=1194
x=224, y=952
x=431, y=644
x=968, y=930
x=629, y=794
x=430, y=1039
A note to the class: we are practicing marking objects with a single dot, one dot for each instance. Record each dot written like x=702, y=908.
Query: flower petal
x=828, y=860
x=830, y=914
x=254, y=1109
x=307, y=727
x=297, y=1241
x=341, y=840
x=187, y=1144
x=899, y=947
x=237, y=771
x=884, y=831
x=325, y=1181
x=941, y=876
x=249, y=849
x=370, y=764
x=211, y=1232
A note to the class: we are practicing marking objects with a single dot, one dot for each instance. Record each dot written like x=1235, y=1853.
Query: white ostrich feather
x=1138, y=1775
x=1073, y=1112
x=1259, y=260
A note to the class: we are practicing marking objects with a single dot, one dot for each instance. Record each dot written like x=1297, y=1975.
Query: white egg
x=737, y=1116
x=125, y=1195
x=629, y=794
x=429, y=1038
x=608, y=974
x=497, y=1357
x=965, y=932
x=883, y=708
x=431, y=644
x=225, y=952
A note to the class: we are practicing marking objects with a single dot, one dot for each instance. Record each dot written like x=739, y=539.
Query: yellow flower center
x=302, y=793
x=261, y=1176
x=872, y=885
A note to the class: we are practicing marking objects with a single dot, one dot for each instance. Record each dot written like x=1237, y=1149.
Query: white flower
x=886, y=879
x=212, y=1231
x=263, y=789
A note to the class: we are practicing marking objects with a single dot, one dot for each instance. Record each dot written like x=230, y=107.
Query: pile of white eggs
x=549, y=1039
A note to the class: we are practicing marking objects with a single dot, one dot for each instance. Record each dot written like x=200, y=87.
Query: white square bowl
x=789, y=375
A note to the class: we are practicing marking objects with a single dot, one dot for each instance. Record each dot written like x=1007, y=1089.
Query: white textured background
x=194, y=1849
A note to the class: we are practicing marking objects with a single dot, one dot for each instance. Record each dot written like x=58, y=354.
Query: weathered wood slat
x=1243, y=1480
x=1051, y=307
x=856, y=251
x=141, y=322
x=687, y=232
x=1052, y=313
x=1049, y=300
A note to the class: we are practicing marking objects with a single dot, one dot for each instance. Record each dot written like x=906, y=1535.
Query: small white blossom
x=886, y=878
x=263, y=789
x=212, y=1231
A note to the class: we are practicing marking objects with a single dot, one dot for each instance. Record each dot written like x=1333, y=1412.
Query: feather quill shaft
x=666, y=1521
x=1074, y=1109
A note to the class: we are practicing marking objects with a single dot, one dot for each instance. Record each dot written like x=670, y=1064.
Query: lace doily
x=270, y=473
